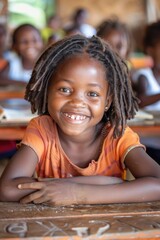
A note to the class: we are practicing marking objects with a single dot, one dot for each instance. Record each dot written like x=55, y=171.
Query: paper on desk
x=142, y=118
x=15, y=111
x=9, y=115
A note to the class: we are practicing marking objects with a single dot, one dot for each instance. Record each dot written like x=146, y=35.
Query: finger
x=32, y=197
x=33, y=185
x=42, y=199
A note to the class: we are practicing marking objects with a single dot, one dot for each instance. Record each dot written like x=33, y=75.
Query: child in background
x=27, y=45
x=117, y=35
x=3, y=45
x=53, y=28
x=16, y=71
x=79, y=23
x=147, y=82
x=80, y=144
x=7, y=148
x=4, y=53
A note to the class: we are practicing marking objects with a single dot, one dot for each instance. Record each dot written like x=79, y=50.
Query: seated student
x=117, y=35
x=4, y=52
x=80, y=143
x=79, y=23
x=27, y=45
x=7, y=148
x=53, y=28
x=147, y=82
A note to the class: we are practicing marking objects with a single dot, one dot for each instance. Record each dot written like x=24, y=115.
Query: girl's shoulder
x=41, y=119
x=127, y=135
x=43, y=122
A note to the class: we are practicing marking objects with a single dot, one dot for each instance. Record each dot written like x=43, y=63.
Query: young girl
x=27, y=45
x=80, y=145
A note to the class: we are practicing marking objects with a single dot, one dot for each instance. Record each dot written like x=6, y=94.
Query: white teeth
x=75, y=117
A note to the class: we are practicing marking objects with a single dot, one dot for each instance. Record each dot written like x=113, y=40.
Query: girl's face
x=118, y=42
x=29, y=44
x=77, y=95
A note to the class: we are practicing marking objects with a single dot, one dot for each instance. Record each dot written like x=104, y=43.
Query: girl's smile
x=74, y=118
x=78, y=94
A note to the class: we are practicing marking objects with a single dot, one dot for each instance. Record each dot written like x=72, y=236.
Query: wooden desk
x=7, y=94
x=147, y=131
x=17, y=132
x=91, y=222
x=12, y=133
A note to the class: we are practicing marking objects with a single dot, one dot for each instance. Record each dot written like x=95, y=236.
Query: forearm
x=9, y=191
x=95, y=180
x=148, y=100
x=139, y=190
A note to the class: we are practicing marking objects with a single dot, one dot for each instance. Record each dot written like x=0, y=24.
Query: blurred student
x=4, y=53
x=147, y=82
x=72, y=31
x=117, y=35
x=53, y=28
x=27, y=45
x=79, y=20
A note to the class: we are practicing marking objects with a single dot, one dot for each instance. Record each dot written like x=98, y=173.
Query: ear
x=108, y=102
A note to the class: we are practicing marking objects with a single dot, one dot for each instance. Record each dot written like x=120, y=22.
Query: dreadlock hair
x=124, y=104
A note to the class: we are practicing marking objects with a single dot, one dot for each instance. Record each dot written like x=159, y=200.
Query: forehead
x=23, y=32
x=115, y=35
x=80, y=68
x=82, y=59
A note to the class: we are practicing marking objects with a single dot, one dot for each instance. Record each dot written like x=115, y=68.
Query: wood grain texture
x=113, y=221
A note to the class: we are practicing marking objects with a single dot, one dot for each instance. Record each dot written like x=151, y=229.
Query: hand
x=54, y=192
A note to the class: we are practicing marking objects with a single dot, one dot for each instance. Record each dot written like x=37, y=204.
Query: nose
x=77, y=100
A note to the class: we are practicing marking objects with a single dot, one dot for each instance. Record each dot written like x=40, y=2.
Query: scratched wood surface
x=90, y=222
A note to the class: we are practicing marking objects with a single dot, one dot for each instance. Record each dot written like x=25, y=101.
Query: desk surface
x=16, y=132
x=90, y=222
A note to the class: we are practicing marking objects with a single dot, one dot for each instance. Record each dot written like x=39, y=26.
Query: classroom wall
x=135, y=13
x=130, y=11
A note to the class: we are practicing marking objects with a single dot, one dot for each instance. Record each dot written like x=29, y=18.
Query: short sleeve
x=33, y=137
x=127, y=142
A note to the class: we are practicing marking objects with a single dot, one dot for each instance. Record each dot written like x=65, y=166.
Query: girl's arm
x=19, y=170
x=142, y=93
x=93, y=180
x=145, y=187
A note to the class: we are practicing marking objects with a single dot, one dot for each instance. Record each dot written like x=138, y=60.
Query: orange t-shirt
x=42, y=136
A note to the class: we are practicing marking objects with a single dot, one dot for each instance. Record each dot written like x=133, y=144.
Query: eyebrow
x=90, y=84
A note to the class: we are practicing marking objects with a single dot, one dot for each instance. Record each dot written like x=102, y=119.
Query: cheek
x=98, y=108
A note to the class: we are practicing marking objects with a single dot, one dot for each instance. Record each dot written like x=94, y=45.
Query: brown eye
x=93, y=94
x=65, y=90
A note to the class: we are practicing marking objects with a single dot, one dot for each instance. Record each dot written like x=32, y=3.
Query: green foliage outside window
x=30, y=11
